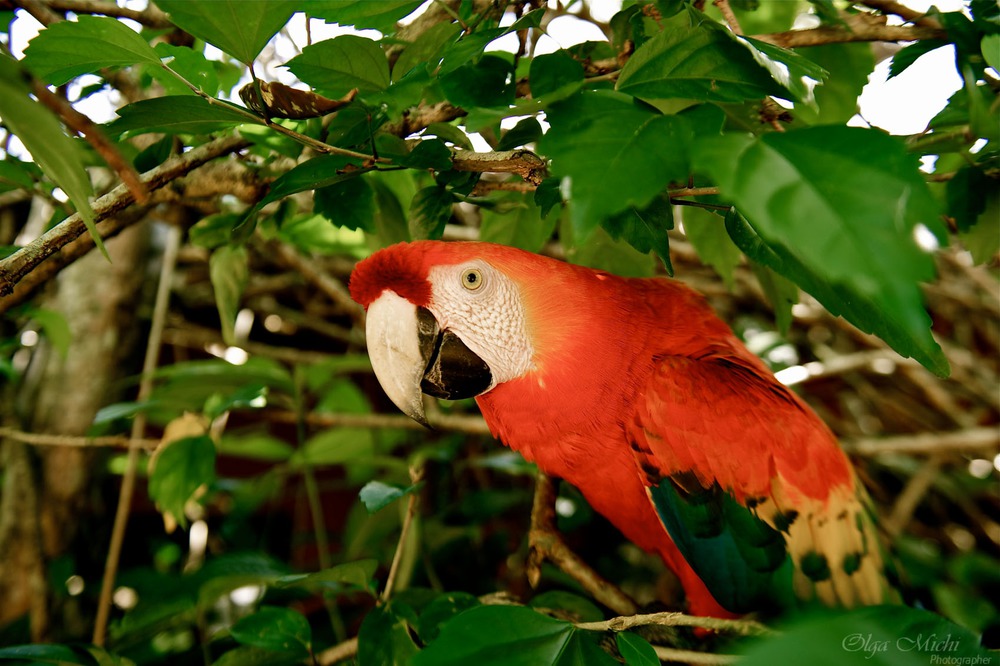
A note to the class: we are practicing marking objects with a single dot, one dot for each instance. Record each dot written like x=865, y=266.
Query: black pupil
x=471, y=278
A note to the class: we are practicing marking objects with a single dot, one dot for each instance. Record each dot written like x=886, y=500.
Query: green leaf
x=175, y=114
x=67, y=49
x=229, y=272
x=837, y=99
x=451, y=134
x=335, y=446
x=385, y=637
x=178, y=470
x=256, y=447
x=215, y=230
x=602, y=252
x=274, y=628
x=58, y=156
x=579, y=609
x=527, y=130
x=876, y=635
x=990, y=46
x=430, y=211
x=521, y=225
x=694, y=57
x=646, y=229
x=966, y=195
x=908, y=55
x=844, y=203
x=494, y=635
x=616, y=154
x=313, y=174
x=442, y=609
x=780, y=292
x=636, y=650
x=488, y=83
x=707, y=234
x=358, y=574
x=363, y=14
x=239, y=28
x=349, y=204
x=554, y=76
x=336, y=66
x=424, y=51
x=43, y=654
x=190, y=64
x=983, y=240
x=376, y=495
x=55, y=327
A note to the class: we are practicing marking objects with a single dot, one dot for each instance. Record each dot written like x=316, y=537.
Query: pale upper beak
x=411, y=355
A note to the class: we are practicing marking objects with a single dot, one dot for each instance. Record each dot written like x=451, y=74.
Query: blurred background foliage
x=283, y=511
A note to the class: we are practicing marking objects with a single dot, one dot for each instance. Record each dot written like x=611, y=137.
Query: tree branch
x=624, y=622
x=15, y=267
x=903, y=12
x=960, y=441
x=151, y=17
x=522, y=162
x=859, y=28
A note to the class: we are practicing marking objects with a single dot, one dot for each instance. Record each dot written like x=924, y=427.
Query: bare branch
x=729, y=16
x=522, y=162
x=624, y=622
x=960, y=441
x=903, y=12
x=15, y=267
x=859, y=28
x=44, y=439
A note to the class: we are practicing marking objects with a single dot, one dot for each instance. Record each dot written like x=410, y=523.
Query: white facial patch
x=482, y=306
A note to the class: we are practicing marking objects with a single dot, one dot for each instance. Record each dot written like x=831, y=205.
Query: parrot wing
x=753, y=488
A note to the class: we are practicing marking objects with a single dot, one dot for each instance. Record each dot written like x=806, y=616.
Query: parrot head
x=446, y=319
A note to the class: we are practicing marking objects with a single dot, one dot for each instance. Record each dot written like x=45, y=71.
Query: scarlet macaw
x=634, y=391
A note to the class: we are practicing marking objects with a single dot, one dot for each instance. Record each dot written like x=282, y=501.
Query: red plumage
x=636, y=381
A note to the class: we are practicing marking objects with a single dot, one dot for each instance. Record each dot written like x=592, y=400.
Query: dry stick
x=903, y=12
x=138, y=427
x=692, y=657
x=22, y=262
x=340, y=652
x=547, y=544
x=151, y=16
x=416, y=475
x=670, y=619
x=863, y=30
x=73, y=441
x=912, y=494
x=729, y=16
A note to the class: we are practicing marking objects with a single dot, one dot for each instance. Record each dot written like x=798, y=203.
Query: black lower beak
x=453, y=370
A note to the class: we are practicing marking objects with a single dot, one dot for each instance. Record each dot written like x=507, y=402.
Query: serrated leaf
x=707, y=234
x=845, y=203
x=58, y=156
x=336, y=66
x=363, y=14
x=646, y=228
x=636, y=650
x=273, y=628
x=348, y=204
x=908, y=55
x=181, y=467
x=376, y=495
x=67, y=49
x=190, y=64
x=489, y=635
x=695, y=58
x=485, y=83
x=175, y=114
x=322, y=171
x=521, y=226
x=614, y=153
x=430, y=211
x=229, y=272
x=239, y=28
x=837, y=99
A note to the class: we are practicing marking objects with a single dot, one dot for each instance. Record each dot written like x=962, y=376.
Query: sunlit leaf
x=377, y=495
x=175, y=114
x=336, y=66
x=67, y=49
x=229, y=271
x=239, y=28
x=181, y=468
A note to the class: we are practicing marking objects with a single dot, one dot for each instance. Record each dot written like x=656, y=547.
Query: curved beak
x=411, y=355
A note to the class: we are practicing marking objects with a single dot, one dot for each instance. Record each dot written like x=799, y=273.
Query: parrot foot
x=546, y=543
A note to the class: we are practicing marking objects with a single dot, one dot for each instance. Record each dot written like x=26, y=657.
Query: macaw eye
x=472, y=279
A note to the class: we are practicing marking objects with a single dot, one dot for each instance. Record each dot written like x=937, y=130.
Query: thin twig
x=151, y=16
x=340, y=652
x=960, y=441
x=416, y=475
x=903, y=12
x=914, y=492
x=729, y=16
x=22, y=262
x=859, y=28
x=624, y=622
x=315, y=274
x=74, y=441
x=138, y=428
x=691, y=657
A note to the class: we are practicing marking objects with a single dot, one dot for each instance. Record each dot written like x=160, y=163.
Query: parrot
x=635, y=392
